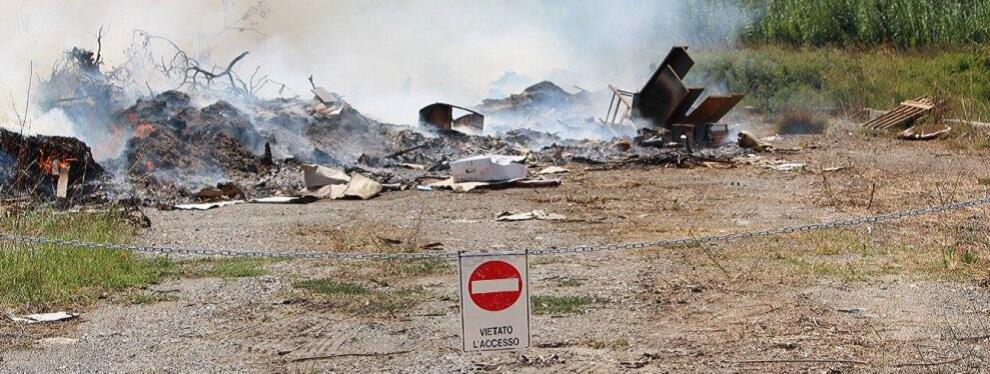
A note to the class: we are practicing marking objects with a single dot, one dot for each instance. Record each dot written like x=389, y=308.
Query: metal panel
x=438, y=115
x=681, y=111
x=660, y=96
x=677, y=59
x=713, y=109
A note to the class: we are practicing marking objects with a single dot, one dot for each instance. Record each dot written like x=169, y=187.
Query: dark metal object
x=664, y=102
x=441, y=116
x=660, y=97
x=713, y=109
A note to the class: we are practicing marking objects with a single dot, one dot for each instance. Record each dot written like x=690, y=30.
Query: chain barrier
x=539, y=251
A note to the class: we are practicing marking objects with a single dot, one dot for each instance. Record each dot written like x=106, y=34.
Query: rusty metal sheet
x=677, y=59
x=438, y=115
x=680, y=113
x=660, y=97
x=473, y=122
x=713, y=109
x=441, y=116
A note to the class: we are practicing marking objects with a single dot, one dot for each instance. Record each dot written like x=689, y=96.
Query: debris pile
x=547, y=107
x=166, y=149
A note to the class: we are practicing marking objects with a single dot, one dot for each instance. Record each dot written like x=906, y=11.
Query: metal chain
x=539, y=251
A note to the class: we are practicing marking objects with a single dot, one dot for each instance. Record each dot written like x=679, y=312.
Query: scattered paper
x=45, y=317
x=207, y=206
x=536, y=214
x=284, y=200
x=362, y=187
x=316, y=176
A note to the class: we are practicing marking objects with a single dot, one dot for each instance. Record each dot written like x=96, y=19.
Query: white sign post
x=494, y=302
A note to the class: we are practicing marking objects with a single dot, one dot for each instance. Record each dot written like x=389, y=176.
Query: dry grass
x=943, y=252
x=360, y=234
x=371, y=288
x=799, y=120
x=356, y=299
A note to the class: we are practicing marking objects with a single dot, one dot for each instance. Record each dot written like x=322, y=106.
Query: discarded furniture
x=441, y=116
x=664, y=101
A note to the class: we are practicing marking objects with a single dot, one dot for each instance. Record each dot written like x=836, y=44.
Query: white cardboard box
x=488, y=168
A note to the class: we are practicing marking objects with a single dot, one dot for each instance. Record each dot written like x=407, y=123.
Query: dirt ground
x=907, y=295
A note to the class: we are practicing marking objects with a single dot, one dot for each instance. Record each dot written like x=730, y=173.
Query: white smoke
x=388, y=58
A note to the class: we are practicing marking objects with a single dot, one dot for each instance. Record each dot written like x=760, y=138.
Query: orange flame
x=49, y=163
x=143, y=130
x=148, y=165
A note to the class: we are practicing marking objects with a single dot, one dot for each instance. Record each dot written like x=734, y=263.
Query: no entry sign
x=494, y=302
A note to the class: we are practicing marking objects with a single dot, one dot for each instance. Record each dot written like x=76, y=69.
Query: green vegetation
x=235, y=267
x=899, y=23
x=779, y=80
x=559, y=304
x=47, y=274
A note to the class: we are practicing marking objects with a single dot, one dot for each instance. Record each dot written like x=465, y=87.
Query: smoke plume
x=388, y=58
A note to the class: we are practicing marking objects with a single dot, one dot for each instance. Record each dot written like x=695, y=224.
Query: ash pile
x=181, y=146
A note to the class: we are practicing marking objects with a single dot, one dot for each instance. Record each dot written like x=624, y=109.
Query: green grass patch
x=559, y=305
x=51, y=274
x=233, y=267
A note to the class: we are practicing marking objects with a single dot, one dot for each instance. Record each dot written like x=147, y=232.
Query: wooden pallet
x=905, y=113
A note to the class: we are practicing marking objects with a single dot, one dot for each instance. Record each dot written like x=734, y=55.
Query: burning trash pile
x=172, y=147
x=46, y=165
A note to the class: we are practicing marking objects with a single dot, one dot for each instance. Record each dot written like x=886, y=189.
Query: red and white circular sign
x=495, y=285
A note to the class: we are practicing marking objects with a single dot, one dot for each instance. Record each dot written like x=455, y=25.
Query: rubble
x=167, y=150
x=548, y=108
